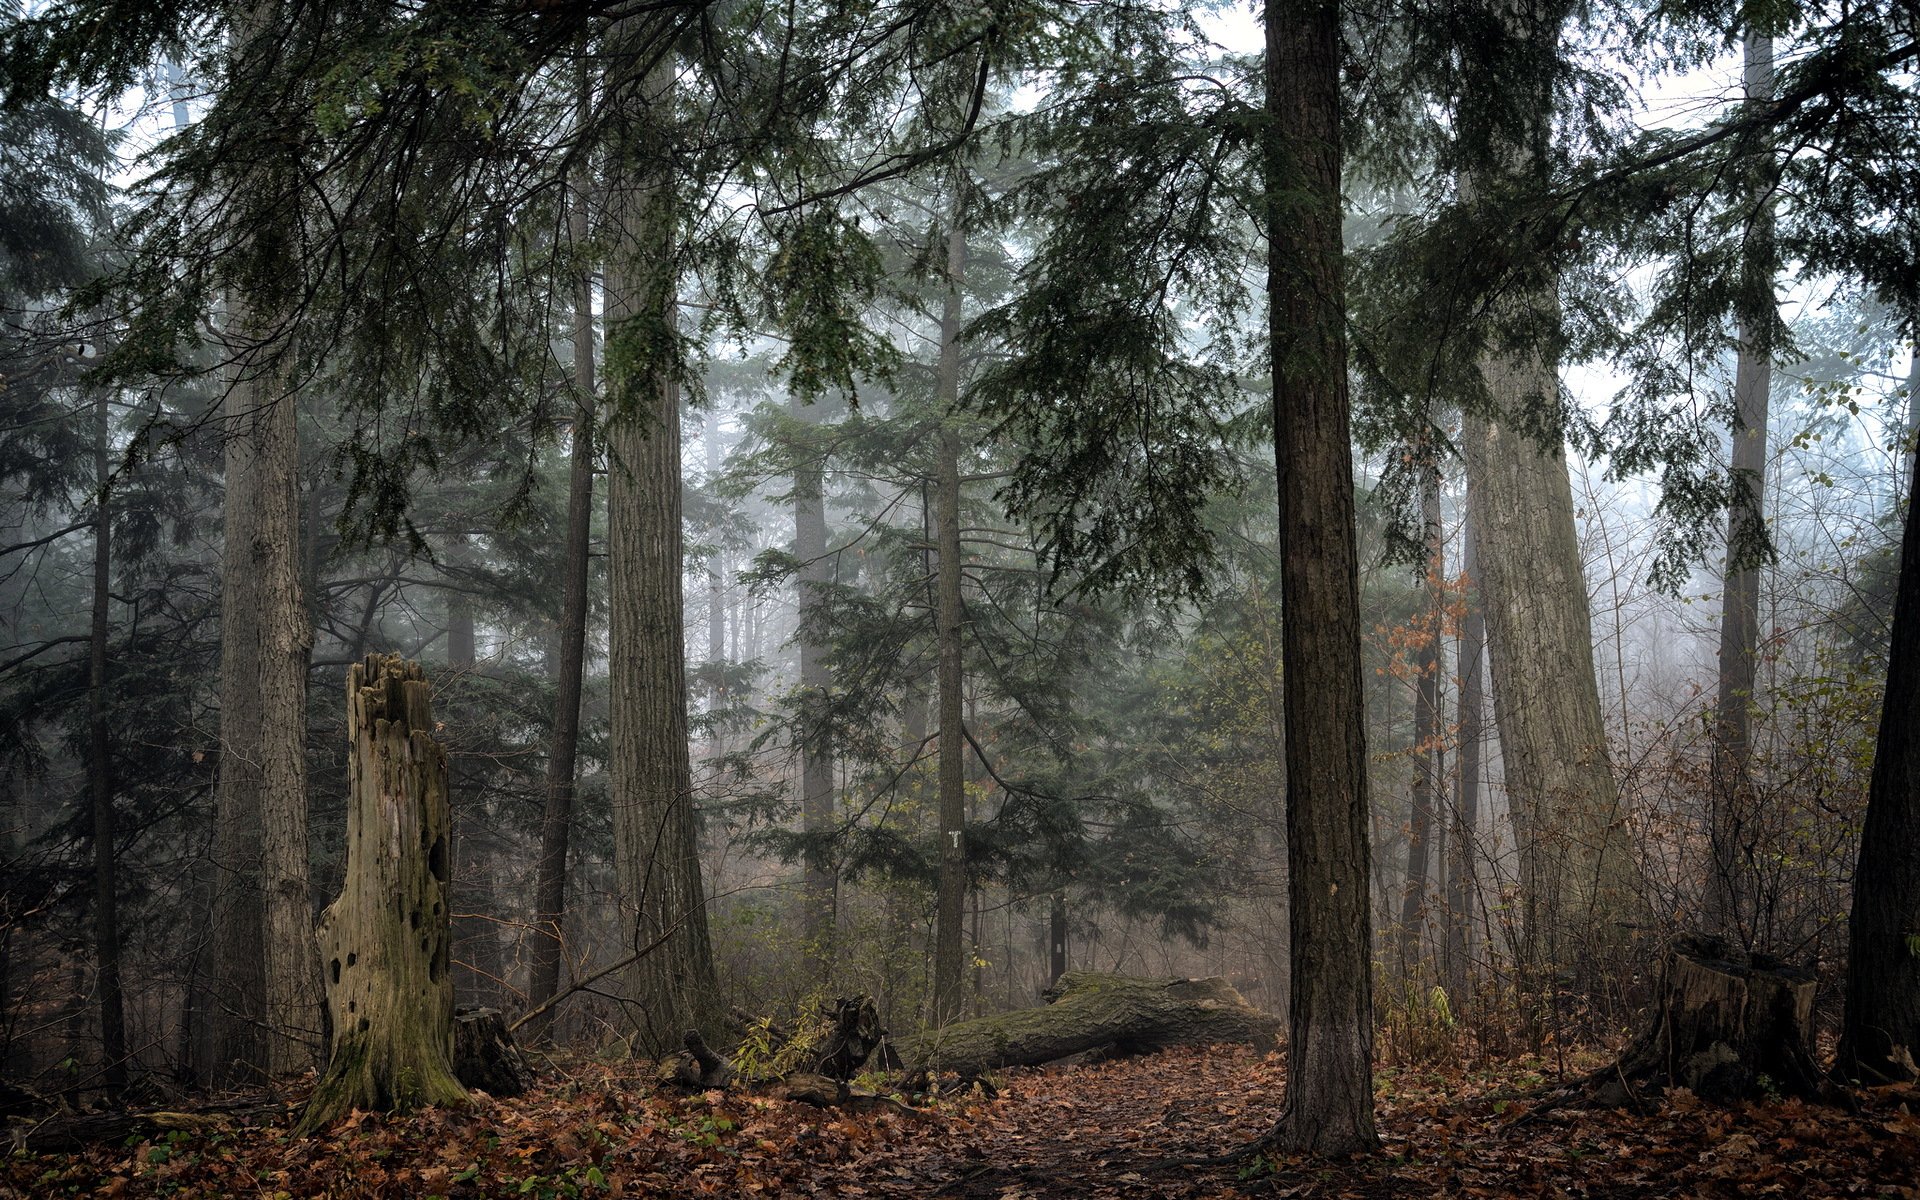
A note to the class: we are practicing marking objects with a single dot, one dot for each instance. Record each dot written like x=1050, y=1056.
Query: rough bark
x=484, y=1056
x=950, y=899
x=1088, y=1010
x=1428, y=765
x=556, y=818
x=655, y=826
x=1880, y=1039
x=267, y=963
x=1331, y=1010
x=816, y=746
x=388, y=936
x=106, y=899
x=1578, y=878
x=1732, y=905
x=1726, y=1025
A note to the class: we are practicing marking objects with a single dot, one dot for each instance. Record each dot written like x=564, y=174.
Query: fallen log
x=1726, y=1025
x=1088, y=1010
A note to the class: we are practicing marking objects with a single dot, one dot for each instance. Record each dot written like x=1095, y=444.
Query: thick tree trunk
x=816, y=744
x=655, y=825
x=388, y=936
x=106, y=895
x=1091, y=1011
x=556, y=819
x=1331, y=1020
x=1462, y=872
x=950, y=899
x=1880, y=1040
x=1732, y=904
x=1727, y=1026
x=267, y=961
x=1428, y=758
x=1578, y=878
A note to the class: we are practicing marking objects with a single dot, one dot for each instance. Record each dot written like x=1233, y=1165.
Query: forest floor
x=1118, y=1129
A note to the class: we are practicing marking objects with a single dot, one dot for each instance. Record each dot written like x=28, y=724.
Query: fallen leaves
x=1134, y=1128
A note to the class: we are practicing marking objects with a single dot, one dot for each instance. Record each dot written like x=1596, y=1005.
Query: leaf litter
x=1138, y=1127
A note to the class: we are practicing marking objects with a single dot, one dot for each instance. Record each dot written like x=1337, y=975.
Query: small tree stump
x=385, y=939
x=856, y=1031
x=1726, y=1025
x=484, y=1056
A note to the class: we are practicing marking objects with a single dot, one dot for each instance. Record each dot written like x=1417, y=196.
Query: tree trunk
x=1578, y=878
x=388, y=936
x=1880, y=1039
x=950, y=900
x=106, y=899
x=268, y=964
x=1057, y=938
x=1732, y=904
x=1331, y=1018
x=1088, y=1010
x=484, y=1056
x=1428, y=766
x=1462, y=874
x=1727, y=1025
x=655, y=826
x=816, y=734
x=556, y=819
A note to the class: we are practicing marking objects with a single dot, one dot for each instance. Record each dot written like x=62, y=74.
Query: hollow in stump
x=484, y=1055
x=385, y=940
x=1726, y=1025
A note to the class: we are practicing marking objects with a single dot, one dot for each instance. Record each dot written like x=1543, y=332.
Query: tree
x=571, y=638
x=1577, y=866
x=656, y=843
x=950, y=894
x=816, y=745
x=1730, y=892
x=1330, y=1019
x=1880, y=1037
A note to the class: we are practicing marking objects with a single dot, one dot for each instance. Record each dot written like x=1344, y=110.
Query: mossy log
x=385, y=940
x=1726, y=1025
x=1088, y=1010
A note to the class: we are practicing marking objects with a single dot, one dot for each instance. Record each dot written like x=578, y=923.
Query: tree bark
x=1732, y=904
x=1057, y=938
x=388, y=936
x=556, y=819
x=106, y=895
x=816, y=743
x=950, y=901
x=1428, y=765
x=1088, y=1010
x=1726, y=1025
x=268, y=963
x=655, y=825
x=1579, y=881
x=1331, y=1010
x=1880, y=1039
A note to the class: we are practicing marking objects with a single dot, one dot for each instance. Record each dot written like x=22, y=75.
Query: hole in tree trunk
x=352, y=957
x=336, y=970
x=413, y=918
x=437, y=859
x=364, y=1026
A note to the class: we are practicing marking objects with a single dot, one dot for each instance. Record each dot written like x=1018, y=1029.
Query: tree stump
x=385, y=939
x=1726, y=1025
x=856, y=1031
x=484, y=1056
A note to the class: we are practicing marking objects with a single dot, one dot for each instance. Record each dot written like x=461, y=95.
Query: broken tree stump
x=856, y=1031
x=385, y=939
x=484, y=1056
x=1726, y=1025
x=1089, y=1010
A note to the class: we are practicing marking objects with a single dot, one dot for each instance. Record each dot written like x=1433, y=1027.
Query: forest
x=981, y=598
